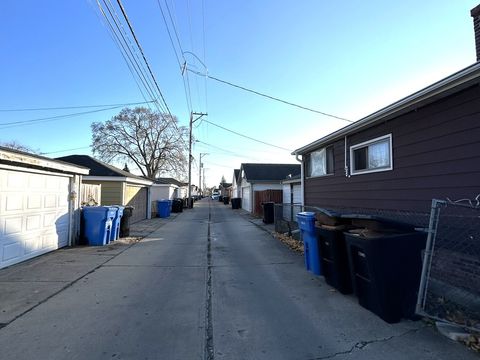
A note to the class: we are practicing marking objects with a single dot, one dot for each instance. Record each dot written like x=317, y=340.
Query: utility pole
x=200, y=172
x=198, y=115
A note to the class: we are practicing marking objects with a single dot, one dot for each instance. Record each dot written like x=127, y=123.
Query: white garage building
x=39, y=205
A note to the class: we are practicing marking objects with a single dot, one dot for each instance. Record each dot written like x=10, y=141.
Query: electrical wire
x=125, y=50
x=51, y=118
x=74, y=107
x=246, y=136
x=60, y=151
x=267, y=96
x=144, y=58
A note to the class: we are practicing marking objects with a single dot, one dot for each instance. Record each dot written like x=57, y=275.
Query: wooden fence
x=260, y=197
x=90, y=194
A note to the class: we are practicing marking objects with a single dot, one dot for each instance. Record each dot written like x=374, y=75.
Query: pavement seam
x=209, y=349
x=360, y=345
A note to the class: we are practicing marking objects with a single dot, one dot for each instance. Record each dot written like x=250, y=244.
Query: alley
x=210, y=284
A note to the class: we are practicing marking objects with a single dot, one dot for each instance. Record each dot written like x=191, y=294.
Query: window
x=372, y=156
x=320, y=162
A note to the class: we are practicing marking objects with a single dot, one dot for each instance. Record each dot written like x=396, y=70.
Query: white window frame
x=366, y=144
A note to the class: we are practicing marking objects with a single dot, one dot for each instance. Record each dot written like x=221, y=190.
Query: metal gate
x=450, y=283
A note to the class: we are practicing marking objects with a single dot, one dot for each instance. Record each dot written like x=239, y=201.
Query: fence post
x=427, y=260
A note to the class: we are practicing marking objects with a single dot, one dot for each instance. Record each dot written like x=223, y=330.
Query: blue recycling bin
x=115, y=233
x=163, y=208
x=97, y=221
x=306, y=223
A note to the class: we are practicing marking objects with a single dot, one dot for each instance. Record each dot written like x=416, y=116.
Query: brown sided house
x=394, y=161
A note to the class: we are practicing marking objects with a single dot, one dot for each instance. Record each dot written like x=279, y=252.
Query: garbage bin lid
x=392, y=224
x=306, y=214
x=328, y=212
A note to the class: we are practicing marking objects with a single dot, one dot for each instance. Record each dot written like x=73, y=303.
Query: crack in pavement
x=209, y=350
x=360, y=345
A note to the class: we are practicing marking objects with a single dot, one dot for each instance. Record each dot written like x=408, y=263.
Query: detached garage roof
x=170, y=181
x=12, y=157
x=269, y=172
x=102, y=171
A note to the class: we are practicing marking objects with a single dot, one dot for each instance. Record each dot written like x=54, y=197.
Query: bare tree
x=148, y=139
x=15, y=145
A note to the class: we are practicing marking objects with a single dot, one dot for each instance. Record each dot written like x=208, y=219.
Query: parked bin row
x=103, y=224
x=377, y=259
x=166, y=207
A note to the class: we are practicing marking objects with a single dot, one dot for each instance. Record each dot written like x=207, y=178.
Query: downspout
x=346, y=168
x=302, y=182
x=149, y=202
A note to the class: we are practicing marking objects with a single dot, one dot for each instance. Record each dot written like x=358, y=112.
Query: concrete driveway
x=207, y=284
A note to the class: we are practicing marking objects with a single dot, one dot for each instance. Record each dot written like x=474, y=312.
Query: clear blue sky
x=348, y=58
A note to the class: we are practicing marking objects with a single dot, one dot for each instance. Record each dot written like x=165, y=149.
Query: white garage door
x=297, y=194
x=34, y=216
x=246, y=205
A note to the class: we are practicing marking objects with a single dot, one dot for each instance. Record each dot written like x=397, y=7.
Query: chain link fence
x=450, y=283
x=286, y=215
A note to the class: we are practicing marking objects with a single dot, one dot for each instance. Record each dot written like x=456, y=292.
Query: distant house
x=225, y=189
x=235, y=184
x=397, y=159
x=39, y=205
x=119, y=187
x=166, y=188
x=259, y=177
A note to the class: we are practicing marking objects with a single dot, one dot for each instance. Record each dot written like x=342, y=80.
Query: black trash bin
x=268, y=212
x=236, y=203
x=333, y=249
x=226, y=200
x=386, y=263
x=125, y=221
x=177, y=205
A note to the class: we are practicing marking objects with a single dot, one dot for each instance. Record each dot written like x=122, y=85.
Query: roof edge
x=40, y=161
x=463, y=76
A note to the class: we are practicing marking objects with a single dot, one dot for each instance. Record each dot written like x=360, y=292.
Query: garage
x=138, y=198
x=36, y=205
x=246, y=199
x=118, y=187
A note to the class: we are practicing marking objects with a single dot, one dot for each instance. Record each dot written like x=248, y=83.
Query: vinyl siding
x=111, y=191
x=436, y=154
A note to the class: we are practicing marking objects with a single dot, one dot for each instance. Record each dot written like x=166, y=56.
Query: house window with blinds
x=372, y=156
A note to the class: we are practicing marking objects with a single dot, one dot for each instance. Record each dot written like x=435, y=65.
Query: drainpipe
x=347, y=172
x=302, y=182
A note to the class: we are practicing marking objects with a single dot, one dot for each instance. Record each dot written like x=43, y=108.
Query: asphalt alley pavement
x=206, y=284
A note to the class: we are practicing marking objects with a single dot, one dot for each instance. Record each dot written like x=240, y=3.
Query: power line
x=51, y=118
x=225, y=150
x=74, y=107
x=60, y=151
x=246, y=136
x=128, y=56
x=268, y=96
x=143, y=55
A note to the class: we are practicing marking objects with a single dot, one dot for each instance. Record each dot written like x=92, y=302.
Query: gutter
x=464, y=76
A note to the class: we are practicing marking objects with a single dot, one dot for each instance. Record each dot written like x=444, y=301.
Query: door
x=246, y=201
x=34, y=215
x=137, y=197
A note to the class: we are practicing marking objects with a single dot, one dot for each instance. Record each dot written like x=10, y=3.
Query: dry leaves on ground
x=473, y=342
x=292, y=243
